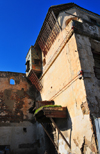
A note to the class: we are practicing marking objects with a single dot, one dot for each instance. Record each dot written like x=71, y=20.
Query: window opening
x=93, y=21
x=25, y=130
x=27, y=66
x=12, y=82
x=37, y=61
x=96, y=56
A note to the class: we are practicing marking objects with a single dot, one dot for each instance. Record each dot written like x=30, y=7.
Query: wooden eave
x=56, y=10
x=45, y=113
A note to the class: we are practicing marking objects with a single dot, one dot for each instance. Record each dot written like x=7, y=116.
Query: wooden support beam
x=60, y=133
x=50, y=138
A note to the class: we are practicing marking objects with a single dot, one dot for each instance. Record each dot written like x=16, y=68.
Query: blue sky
x=20, y=23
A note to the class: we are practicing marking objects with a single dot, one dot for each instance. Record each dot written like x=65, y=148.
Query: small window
x=27, y=66
x=37, y=61
x=25, y=130
x=12, y=82
x=93, y=21
x=96, y=56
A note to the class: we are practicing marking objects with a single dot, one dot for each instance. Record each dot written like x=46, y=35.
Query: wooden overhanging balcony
x=48, y=110
x=34, y=80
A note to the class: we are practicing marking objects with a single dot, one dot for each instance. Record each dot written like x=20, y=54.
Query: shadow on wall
x=65, y=124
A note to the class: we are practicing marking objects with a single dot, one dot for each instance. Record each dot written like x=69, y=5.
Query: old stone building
x=18, y=128
x=70, y=76
x=17, y=125
x=63, y=79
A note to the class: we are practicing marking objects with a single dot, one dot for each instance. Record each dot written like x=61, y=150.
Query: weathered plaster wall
x=18, y=129
x=92, y=84
x=15, y=100
x=63, y=17
x=61, y=83
x=29, y=58
x=82, y=14
x=87, y=15
x=19, y=137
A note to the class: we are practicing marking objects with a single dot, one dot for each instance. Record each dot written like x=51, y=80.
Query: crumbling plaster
x=18, y=128
x=92, y=84
x=63, y=16
x=15, y=100
x=64, y=71
x=62, y=83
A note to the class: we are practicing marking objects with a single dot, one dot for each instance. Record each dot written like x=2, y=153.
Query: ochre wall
x=61, y=83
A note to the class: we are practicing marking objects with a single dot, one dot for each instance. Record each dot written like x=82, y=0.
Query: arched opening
x=12, y=81
x=68, y=20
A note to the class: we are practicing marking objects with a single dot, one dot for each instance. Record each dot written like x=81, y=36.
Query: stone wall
x=86, y=48
x=18, y=129
x=15, y=99
x=17, y=126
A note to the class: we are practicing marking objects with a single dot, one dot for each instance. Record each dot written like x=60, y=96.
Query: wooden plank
x=42, y=103
x=56, y=113
x=55, y=108
x=60, y=133
x=50, y=138
x=55, y=116
x=50, y=112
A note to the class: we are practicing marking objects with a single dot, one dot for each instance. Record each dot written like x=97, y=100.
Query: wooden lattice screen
x=34, y=80
x=48, y=33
